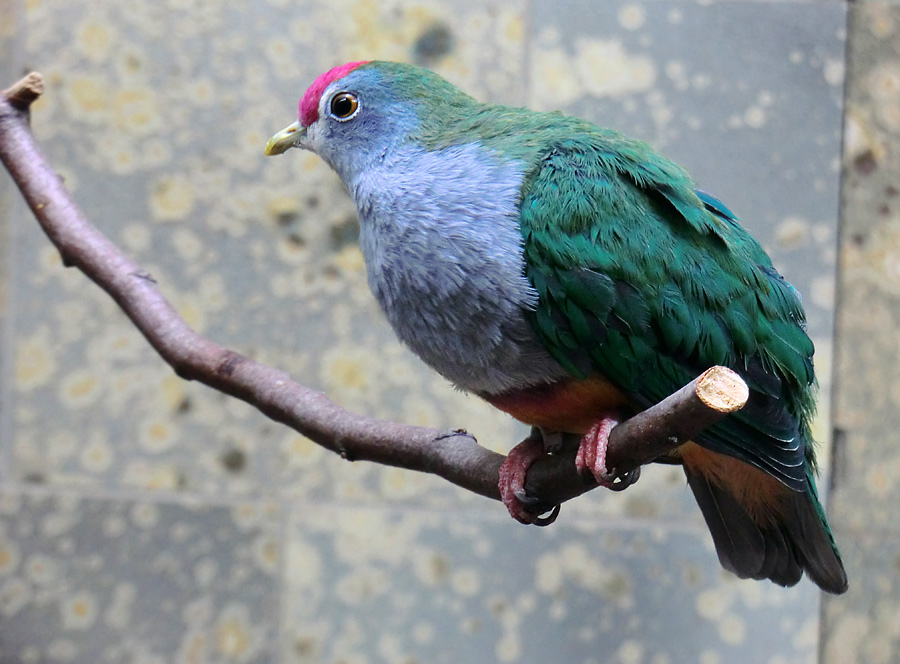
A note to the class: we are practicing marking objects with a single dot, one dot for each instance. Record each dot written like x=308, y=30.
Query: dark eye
x=344, y=105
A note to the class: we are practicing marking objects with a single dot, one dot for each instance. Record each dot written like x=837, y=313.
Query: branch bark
x=453, y=455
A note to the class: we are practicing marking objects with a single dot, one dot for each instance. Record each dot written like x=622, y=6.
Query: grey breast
x=443, y=249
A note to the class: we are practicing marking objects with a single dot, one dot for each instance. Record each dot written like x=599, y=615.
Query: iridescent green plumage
x=648, y=282
x=636, y=270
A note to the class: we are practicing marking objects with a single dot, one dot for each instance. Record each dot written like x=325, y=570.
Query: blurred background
x=148, y=520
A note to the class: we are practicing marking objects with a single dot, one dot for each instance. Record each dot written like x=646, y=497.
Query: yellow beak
x=285, y=139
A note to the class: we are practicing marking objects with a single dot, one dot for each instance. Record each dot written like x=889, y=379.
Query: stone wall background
x=143, y=519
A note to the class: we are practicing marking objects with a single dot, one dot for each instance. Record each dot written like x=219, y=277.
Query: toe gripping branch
x=544, y=471
x=587, y=453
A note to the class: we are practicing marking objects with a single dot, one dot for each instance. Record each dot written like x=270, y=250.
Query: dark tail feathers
x=800, y=541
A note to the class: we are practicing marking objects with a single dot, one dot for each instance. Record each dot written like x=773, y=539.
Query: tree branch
x=453, y=455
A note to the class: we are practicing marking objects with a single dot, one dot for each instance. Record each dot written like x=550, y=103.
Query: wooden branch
x=453, y=455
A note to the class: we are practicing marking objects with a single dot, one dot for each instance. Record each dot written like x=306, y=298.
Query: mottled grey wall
x=863, y=626
x=144, y=519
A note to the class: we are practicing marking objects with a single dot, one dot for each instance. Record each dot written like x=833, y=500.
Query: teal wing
x=649, y=282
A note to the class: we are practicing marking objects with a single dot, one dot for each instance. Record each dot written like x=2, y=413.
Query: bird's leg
x=514, y=470
x=591, y=456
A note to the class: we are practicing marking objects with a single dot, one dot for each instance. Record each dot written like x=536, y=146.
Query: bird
x=572, y=276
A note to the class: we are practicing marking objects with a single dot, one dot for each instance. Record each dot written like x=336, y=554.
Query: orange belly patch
x=570, y=406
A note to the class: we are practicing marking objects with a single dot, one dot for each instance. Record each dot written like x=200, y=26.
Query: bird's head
x=355, y=113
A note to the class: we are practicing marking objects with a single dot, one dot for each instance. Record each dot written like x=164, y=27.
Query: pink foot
x=592, y=452
x=512, y=481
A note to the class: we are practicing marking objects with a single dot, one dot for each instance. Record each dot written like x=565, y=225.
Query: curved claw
x=550, y=518
x=526, y=500
x=524, y=511
x=625, y=480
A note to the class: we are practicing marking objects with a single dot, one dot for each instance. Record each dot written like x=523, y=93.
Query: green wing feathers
x=649, y=282
x=635, y=269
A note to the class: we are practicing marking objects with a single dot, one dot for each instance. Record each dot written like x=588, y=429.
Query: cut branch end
x=25, y=92
x=722, y=389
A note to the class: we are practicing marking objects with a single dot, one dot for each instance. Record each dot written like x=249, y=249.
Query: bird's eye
x=344, y=106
